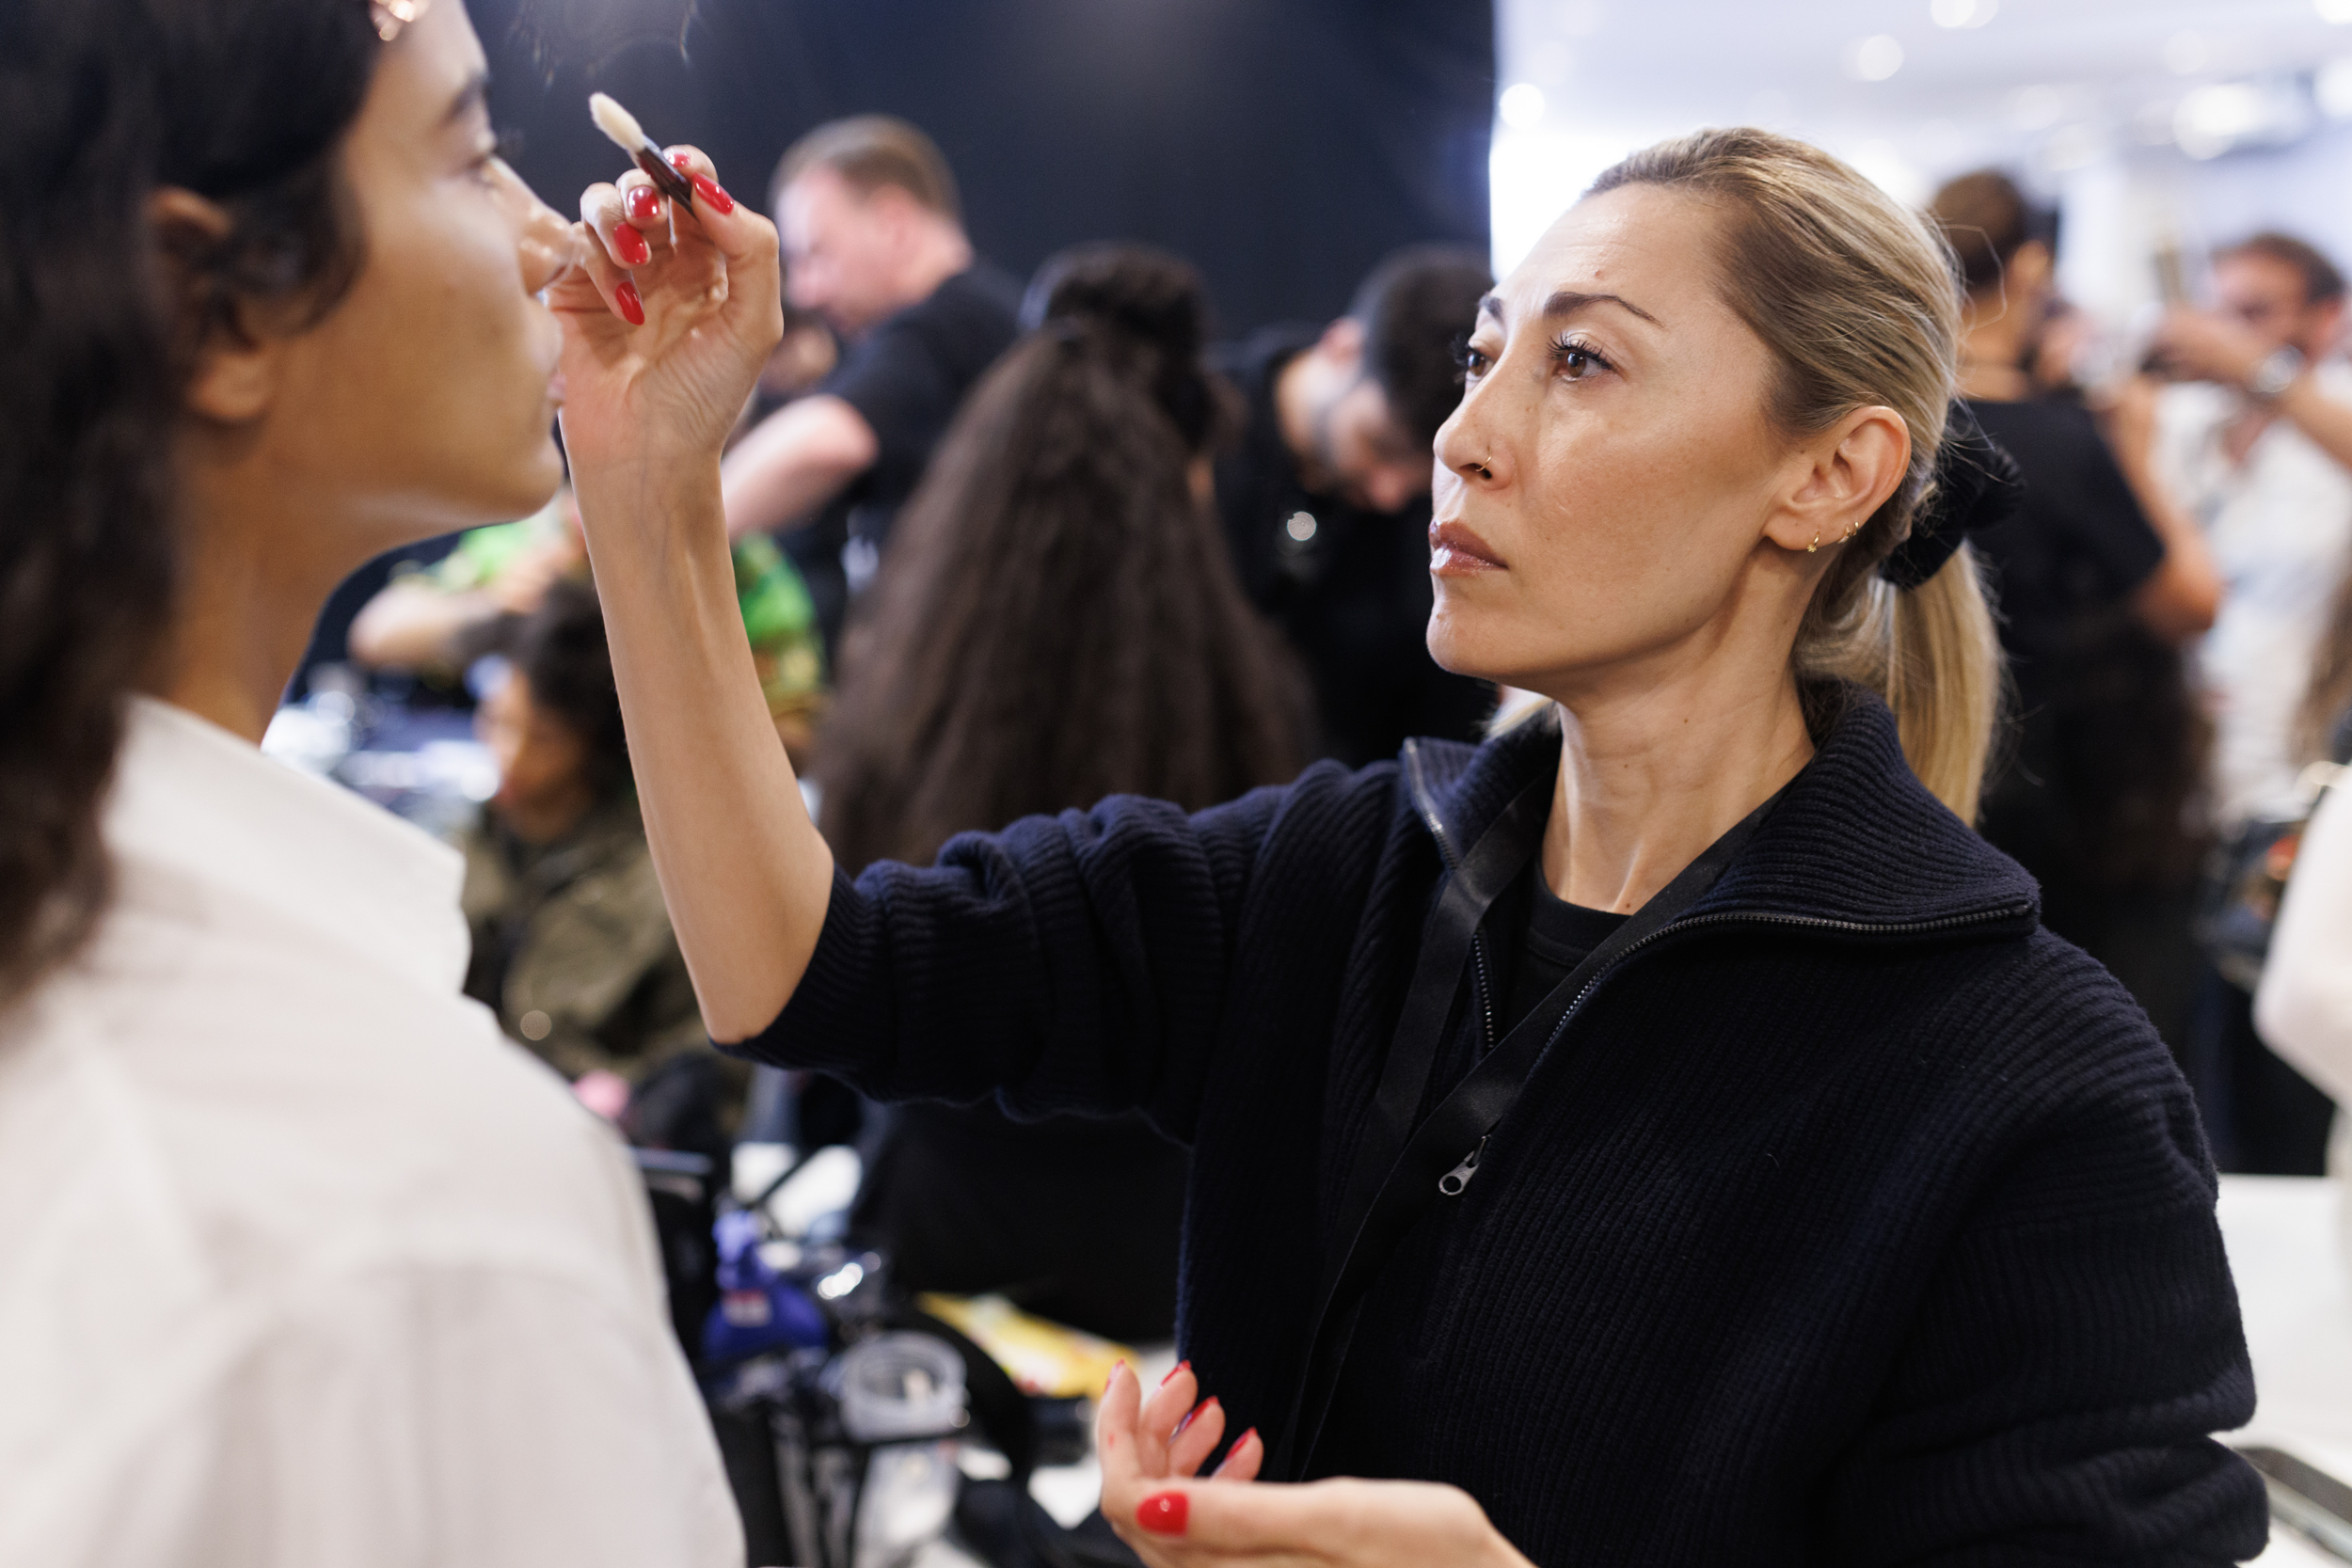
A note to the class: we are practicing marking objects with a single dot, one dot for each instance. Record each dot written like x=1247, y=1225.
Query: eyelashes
x=1572, y=356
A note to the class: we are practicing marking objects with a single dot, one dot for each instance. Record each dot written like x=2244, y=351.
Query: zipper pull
x=1453, y=1181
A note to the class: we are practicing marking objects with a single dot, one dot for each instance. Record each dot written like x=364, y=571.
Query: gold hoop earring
x=1817, y=542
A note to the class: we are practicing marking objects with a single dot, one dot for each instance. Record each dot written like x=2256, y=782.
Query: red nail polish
x=643, y=203
x=680, y=161
x=1113, y=1379
x=632, y=307
x=1162, y=1512
x=710, y=191
x=1173, y=1371
x=630, y=246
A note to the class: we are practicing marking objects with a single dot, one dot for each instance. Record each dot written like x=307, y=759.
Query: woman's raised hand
x=1151, y=1448
x=667, y=324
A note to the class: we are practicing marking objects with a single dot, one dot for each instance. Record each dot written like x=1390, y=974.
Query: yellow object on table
x=1044, y=1358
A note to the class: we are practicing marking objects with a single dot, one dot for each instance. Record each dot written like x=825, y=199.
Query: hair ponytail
x=1858, y=300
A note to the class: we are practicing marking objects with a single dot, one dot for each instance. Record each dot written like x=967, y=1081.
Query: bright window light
x=2337, y=11
x=1522, y=106
x=1535, y=176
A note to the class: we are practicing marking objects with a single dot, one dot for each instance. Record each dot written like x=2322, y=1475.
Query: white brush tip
x=617, y=122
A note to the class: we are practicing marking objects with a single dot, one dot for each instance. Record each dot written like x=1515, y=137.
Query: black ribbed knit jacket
x=1854, y=1220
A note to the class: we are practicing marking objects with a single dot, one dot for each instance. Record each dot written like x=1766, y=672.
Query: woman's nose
x=1465, y=447
x=545, y=244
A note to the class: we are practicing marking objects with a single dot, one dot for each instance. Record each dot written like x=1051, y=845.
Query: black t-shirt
x=1554, y=936
x=1348, y=588
x=2081, y=542
x=909, y=375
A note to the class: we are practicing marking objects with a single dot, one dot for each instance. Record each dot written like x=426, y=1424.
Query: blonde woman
x=1664, y=1125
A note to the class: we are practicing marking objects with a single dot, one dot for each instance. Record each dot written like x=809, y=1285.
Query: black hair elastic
x=1976, y=485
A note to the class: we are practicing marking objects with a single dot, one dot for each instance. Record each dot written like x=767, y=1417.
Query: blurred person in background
x=1325, y=499
x=2099, y=578
x=1058, y=624
x=874, y=244
x=302, y=1262
x=2304, y=1009
x=430, y=621
x=2251, y=441
x=572, y=948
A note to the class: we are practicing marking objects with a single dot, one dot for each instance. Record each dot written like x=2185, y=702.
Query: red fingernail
x=1173, y=1371
x=1114, y=1377
x=680, y=161
x=1193, y=1415
x=645, y=204
x=632, y=307
x=710, y=191
x=630, y=246
x=1162, y=1512
x=1245, y=1438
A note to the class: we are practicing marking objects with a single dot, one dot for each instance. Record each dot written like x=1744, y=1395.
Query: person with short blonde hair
x=1660, y=1133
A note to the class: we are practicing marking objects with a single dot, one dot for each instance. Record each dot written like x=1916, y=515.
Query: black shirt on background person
x=1325, y=499
x=871, y=228
x=908, y=377
x=2092, y=794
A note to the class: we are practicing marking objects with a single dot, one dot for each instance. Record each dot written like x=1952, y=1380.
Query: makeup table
x=2287, y=1241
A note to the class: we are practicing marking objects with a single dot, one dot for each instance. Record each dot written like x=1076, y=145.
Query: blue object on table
x=758, y=1310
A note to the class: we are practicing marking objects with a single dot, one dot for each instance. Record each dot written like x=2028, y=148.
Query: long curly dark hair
x=1057, y=618
x=101, y=103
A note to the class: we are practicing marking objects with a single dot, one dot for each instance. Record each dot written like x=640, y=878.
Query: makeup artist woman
x=1665, y=1122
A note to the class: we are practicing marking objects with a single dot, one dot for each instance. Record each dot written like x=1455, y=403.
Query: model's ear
x=1840, y=479
x=232, y=364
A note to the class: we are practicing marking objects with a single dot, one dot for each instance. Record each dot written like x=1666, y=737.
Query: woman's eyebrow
x=1567, y=301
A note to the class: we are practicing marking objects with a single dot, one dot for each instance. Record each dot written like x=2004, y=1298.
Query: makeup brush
x=631, y=137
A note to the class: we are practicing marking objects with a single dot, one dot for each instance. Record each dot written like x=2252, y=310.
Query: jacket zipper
x=1454, y=1182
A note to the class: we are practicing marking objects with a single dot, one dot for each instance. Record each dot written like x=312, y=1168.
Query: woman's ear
x=1842, y=478
x=233, y=367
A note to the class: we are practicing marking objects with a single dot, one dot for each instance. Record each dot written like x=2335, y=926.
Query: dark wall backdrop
x=1282, y=145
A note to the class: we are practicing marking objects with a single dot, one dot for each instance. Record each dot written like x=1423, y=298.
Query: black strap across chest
x=1399, y=1168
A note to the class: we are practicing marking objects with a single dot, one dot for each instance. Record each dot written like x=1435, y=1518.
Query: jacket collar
x=1856, y=840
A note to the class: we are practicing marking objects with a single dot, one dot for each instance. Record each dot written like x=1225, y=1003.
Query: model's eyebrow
x=474, y=95
x=1567, y=301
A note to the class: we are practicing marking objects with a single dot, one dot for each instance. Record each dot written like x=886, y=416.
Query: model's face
x=539, y=757
x=2265, y=296
x=1374, y=461
x=841, y=250
x=1616, y=405
x=426, y=397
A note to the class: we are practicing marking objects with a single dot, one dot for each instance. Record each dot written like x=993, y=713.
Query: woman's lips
x=1455, y=551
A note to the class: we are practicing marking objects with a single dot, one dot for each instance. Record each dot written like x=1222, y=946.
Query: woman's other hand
x=1151, y=1448
x=668, y=322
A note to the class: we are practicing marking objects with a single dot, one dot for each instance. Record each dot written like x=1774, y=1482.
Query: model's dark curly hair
x=102, y=103
x=1057, y=618
x=560, y=649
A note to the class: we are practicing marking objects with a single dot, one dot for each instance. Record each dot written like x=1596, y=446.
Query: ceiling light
x=2231, y=115
x=1522, y=105
x=1874, y=58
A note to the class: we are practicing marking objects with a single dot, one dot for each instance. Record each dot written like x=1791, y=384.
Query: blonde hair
x=1859, y=301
